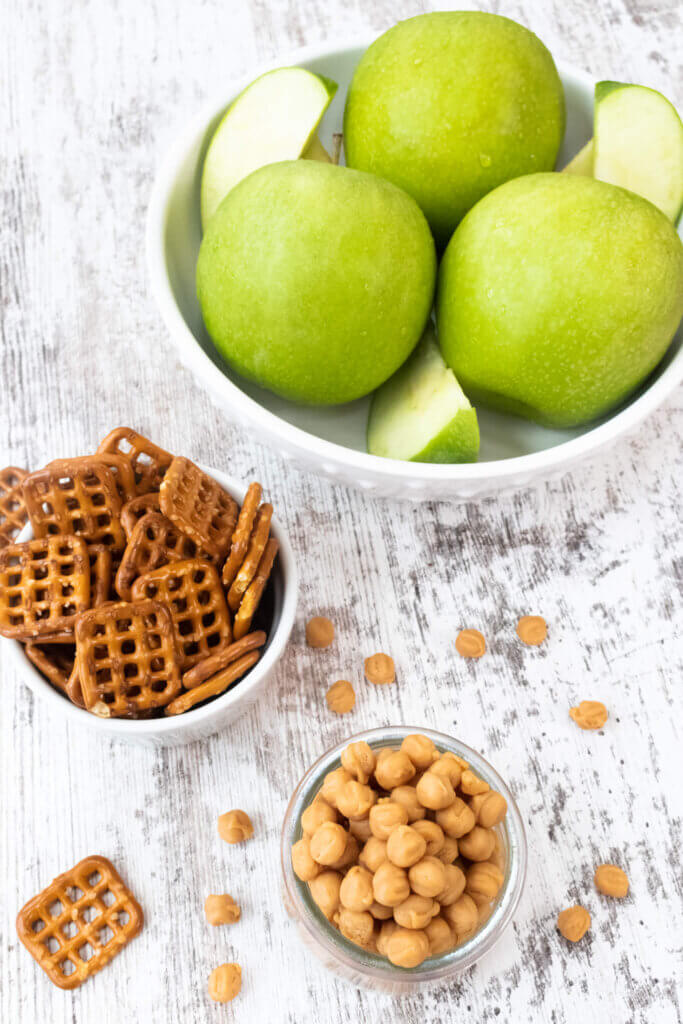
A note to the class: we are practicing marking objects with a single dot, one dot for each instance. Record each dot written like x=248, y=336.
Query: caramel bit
x=574, y=922
x=590, y=714
x=341, y=697
x=225, y=982
x=319, y=632
x=235, y=827
x=221, y=910
x=610, y=880
x=380, y=669
x=532, y=630
x=470, y=643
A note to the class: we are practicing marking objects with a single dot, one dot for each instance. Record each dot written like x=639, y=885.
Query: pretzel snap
x=242, y=534
x=257, y=546
x=193, y=594
x=100, y=573
x=128, y=661
x=219, y=660
x=79, y=922
x=44, y=584
x=133, y=511
x=155, y=541
x=55, y=662
x=147, y=460
x=214, y=686
x=13, y=514
x=199, y=506
x=252, y=598
x=76, y=496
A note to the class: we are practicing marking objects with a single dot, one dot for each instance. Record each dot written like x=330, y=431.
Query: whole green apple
x=557, y=295
x=316, y=281
x=450, y=105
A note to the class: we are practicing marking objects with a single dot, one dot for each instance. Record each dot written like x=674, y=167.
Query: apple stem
x=336, y=147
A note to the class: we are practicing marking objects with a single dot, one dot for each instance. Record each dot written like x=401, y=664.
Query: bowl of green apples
x=432, y=266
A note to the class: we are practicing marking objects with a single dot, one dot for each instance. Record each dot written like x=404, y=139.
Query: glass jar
x=369, y=969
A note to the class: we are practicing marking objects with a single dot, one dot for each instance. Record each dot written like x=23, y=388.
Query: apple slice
x=582, y=163
x=639, y=144
x=421, y=413
x=275, y=118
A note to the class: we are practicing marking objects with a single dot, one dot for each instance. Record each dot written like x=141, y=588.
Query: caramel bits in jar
x=400, y=851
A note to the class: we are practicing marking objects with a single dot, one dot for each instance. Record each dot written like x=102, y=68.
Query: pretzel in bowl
x=13, y=514
x=192, y=592
x=141, y=582
x=79, y=922
x=128, y=660
x=198, y=506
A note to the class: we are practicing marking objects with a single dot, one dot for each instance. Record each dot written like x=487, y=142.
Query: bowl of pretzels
x=147, y=597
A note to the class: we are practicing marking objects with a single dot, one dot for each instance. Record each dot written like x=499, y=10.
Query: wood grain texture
x=90, y=96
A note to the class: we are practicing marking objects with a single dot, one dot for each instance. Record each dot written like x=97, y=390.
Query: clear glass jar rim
x=375, y=967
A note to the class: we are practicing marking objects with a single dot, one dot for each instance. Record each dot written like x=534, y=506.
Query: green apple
x=639, y=144
x=316, y=281
x=421, y=414
x=557, y=295
x=275, y=118
x=582, y=162
x=450, y=105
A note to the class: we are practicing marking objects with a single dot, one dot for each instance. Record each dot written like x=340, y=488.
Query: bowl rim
x=346, y=954
x=162, y=727
x=282, y=433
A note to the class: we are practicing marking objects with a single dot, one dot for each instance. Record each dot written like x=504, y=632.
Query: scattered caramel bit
x=590, y=714
x=341, y=697
x=235, y=827
x=532, y=630
x=574, y=922
x=319, y=632
x=221, y=910
x=225, y=982
x=380, y=669
x=470, y=643
x=610, y=880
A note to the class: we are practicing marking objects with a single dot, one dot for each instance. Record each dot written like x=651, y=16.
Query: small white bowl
x=331, y=440
x=217, y=713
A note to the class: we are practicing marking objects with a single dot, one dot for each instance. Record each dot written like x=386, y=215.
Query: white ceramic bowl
x=331, y=441
x=217, y=713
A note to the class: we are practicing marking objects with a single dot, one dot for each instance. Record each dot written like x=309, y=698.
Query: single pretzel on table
x=88, y=906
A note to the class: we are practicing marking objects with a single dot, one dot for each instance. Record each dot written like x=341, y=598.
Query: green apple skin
x=557, y=295
x=450, y=105
x=316, y=281
x=421, y=414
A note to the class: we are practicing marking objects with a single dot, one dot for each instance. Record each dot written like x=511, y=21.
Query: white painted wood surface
x=90, y=95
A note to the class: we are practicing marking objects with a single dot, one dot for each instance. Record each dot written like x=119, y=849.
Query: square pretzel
x=198, y=506
x=128, y=659
x=155, y=541
x=44, y=584
x=148, y=461
x=77, y=496
x=79, y=922
x=133, y=511
x=13, y=514
x=192, y=591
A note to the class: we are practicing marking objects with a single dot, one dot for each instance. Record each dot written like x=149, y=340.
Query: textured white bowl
x=331, y=441
x=218, y=713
